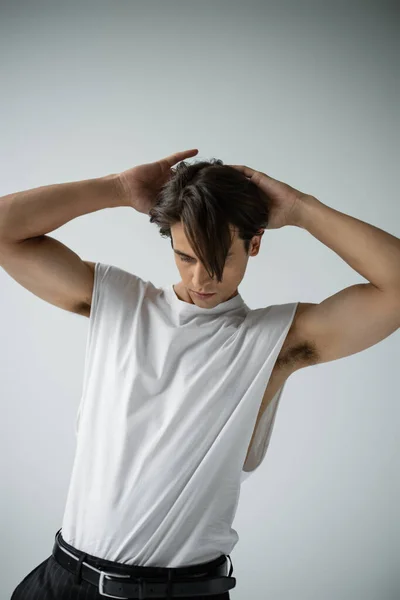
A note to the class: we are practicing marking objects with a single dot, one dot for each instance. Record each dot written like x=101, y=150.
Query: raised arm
x=45, y=266
x=40, y=263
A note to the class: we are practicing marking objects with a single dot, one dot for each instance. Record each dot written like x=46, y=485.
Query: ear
x=256, y=243
x=255, y=246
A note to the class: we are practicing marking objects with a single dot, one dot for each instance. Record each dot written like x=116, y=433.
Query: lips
x=200, y=294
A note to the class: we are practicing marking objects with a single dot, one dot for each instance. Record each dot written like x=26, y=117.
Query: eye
x=188, y=259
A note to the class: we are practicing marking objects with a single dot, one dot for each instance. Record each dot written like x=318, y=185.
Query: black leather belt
x=116, y=585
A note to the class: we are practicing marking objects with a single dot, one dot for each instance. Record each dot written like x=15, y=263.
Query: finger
x=172, y=159
x=256, y=176
x=244, y=169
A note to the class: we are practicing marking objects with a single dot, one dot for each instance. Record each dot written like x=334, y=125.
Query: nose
x=201, y=279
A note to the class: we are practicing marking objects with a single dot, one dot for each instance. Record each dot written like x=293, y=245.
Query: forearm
x=372, y=252
x=40, y=210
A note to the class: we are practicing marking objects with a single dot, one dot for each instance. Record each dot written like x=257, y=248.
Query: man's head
x=214, y=217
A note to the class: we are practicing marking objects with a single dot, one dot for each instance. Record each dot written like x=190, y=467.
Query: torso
x=288, y=361
x=285, y=365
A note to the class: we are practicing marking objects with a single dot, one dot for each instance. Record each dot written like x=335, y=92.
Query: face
x=195, y=277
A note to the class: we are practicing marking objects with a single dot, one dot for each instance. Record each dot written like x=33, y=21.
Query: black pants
x=50, y=581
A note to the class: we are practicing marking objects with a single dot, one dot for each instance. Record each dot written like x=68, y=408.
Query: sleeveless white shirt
x=171, y=394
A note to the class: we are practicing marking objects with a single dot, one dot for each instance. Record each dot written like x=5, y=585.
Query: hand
x=141, y=185
x=285, y=201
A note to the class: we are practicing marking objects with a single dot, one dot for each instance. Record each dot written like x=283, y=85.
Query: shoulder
x=114, y=277
x=114, y=286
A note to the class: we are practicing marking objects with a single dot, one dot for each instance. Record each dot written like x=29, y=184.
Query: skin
x=195, y=277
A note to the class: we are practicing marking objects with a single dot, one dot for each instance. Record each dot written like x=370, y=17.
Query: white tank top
x=171, y=394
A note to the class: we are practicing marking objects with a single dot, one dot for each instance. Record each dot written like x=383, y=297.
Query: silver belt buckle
x=103, y=576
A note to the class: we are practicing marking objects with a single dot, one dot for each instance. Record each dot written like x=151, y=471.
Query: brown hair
x=208, y=197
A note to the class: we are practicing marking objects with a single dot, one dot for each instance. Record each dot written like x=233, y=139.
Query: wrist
x=117, y=189
x=302, y=211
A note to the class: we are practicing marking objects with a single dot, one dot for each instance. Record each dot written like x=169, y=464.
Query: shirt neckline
x=186, y=307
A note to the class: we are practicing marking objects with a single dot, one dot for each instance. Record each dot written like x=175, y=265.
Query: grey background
x=306, y=92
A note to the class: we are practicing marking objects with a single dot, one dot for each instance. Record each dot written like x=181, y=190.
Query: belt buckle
x=103, y=576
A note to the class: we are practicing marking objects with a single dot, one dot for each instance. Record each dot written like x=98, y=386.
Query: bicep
x=349, y=321
x=51, y=271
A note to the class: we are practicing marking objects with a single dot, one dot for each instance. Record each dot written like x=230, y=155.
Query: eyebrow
x=188, y=255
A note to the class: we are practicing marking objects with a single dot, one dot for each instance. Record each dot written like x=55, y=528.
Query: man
x=180, y=389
